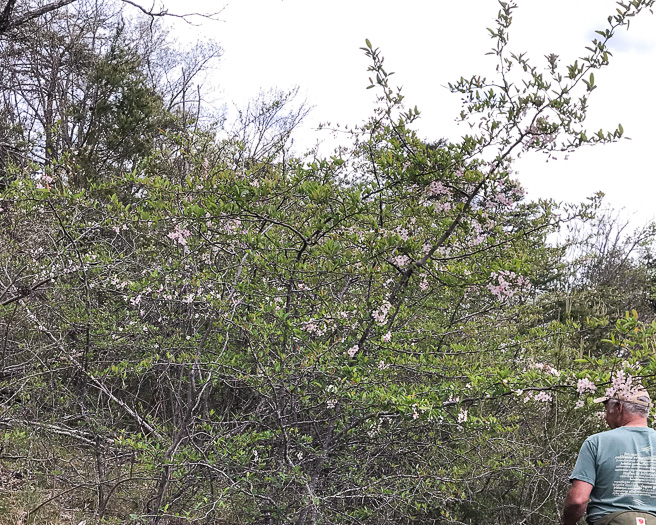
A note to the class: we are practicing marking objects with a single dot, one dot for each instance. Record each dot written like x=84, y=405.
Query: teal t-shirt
x=620, y=464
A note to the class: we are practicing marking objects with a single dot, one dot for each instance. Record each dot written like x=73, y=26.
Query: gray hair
x=636, y=409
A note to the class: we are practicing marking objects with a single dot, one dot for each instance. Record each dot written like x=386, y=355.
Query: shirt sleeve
x=585, y=470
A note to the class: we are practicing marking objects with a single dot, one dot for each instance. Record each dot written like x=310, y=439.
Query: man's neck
x=636, y=422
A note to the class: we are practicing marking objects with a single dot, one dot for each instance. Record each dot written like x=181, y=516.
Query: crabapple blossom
x=401, y=260
x=380, y=315
x=437, y=188
x=623, y=384
x=403, y=233
x=179, y=235
x=353, y=350
x=543, y=396
x=585, y=385
x=508, y=283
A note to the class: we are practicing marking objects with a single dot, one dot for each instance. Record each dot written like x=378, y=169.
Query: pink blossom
x=401, y=260
x=623, y=384
x=437, y=188
x=380, y=315
x=179, y=235
x=309, y=326
x=387, y=337
x=403, y=233
x=134, y=301
x=585, y=385
x=543, y=396
x=353, y=350
x=444, y=206
x=508, y=283
x=503, y=200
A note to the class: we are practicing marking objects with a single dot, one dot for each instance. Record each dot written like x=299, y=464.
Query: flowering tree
x=357, y=338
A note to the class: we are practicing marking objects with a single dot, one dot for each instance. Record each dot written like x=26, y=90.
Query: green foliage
x=368, y=337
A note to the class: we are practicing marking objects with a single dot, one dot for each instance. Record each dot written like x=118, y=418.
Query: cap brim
x=601, y=399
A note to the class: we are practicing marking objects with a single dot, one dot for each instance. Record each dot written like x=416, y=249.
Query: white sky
x=427, y=43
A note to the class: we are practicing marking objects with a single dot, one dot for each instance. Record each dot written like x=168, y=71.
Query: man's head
x=623, y=408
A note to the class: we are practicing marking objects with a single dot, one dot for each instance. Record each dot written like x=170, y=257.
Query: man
x=615, y=473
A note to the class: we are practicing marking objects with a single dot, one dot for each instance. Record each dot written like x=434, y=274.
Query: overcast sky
x=427, y=43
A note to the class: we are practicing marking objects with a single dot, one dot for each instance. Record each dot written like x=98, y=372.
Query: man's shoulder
x=620, y=433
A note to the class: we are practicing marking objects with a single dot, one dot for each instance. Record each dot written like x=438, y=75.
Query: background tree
x=89, y=89
x=15, y=15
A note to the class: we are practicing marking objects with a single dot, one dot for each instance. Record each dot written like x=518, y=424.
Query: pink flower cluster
x=543, y=396
x=380, y=315
x=403, y=233
x=624, y=384
x=313, y=327
x=179, y=235
x=401, y=260
x=585, y=385
x=499, y=197
x=503, y=200
x=546, y=368
x=353, y=350
x=508, y=283
x=477, y=230
x=437, y=188
x=444, y=206
x=45, y=178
